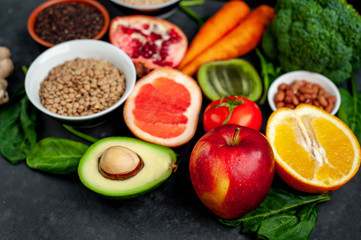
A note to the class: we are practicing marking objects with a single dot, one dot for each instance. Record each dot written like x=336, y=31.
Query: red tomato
x=231, y=110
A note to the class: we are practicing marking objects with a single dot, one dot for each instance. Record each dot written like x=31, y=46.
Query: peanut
x=302, y=91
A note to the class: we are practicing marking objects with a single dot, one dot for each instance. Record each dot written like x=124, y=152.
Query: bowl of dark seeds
x=57, y=21
x=79, y=81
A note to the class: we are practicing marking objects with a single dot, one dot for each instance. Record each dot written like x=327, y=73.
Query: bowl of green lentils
x=80, y=81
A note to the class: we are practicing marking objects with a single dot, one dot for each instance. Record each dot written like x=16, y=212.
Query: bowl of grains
x=80, y=81
x=146, y=5
x=56, y=21
x=296, y=87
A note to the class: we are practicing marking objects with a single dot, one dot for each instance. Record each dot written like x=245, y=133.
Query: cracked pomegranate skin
x=149, y=41
x=232, y=179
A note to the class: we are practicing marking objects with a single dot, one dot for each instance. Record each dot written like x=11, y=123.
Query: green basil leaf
x=280, y=210
x=18, y=129
x=56, y=155
x=350, y=111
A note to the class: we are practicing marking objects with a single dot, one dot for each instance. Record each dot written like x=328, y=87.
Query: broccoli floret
x=316, y=35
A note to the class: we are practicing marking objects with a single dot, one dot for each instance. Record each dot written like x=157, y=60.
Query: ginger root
x=6, y=68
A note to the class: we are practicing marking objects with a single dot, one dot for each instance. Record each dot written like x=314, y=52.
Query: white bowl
x=312, y=77
x=148, y=8
x=84, y=48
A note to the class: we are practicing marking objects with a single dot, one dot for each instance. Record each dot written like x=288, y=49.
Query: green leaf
x=286, y=226
x=184, y=6
x=282, y=213
x=17, y=129
x=56, y=155
x=269, y=73
x=80, y=134
x=350, y=109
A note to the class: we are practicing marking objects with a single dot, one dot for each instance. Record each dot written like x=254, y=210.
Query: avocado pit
x=119, y=163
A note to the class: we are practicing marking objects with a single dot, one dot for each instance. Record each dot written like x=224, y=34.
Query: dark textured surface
x=36, y=205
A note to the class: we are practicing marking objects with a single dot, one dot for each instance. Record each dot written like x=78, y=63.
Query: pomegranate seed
x=148, y=50
x=174, y=36
x=165, y=44
x=137, y=43
x=154, y=36
x=135, y=53
x=163, y=63
x=163, y=53
x=127, y=30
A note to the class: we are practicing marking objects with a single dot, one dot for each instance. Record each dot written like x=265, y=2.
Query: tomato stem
x=231, y=104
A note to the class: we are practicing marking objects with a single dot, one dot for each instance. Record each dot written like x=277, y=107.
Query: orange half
x=315, y=151
x=163, y=107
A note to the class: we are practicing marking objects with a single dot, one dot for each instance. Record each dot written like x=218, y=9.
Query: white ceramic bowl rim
x=83, y=48
x=148, y=7
x=313, y=77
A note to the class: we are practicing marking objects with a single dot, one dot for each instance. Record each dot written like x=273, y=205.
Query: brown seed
x=302, y=98
x=288, y=99
x=289, y=105
x=331, y=99
x=279, y=96
x=282, y=87
x=295, y=101
x=280, y=104
x=316, y=103
x=329, y=107
x=322, y=101
x=305, y=89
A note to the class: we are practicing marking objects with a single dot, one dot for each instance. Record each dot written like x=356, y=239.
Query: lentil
x=143, y=2
x=63, y=90
x=301, y=91
x=68, y=21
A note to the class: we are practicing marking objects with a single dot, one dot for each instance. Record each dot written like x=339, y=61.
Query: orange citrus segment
x=314, y=150
x=163, y=107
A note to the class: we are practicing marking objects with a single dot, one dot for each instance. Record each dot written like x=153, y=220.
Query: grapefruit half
x=164, y=107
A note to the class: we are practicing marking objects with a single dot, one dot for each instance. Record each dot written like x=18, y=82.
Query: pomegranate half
x=151, y=42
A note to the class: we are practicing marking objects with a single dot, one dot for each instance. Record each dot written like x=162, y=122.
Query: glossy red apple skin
x=231, y=180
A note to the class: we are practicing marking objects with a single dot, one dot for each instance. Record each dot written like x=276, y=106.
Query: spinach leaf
x=289, y=225
x=56, y=155
x=17, y=129
x=282, y=215
x=350, y=109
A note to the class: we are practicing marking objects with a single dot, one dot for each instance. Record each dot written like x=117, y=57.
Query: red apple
x=231, y=169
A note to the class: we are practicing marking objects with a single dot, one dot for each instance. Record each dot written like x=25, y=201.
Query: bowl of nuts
x=296, y=87
x=56, y=21
x=80, y=81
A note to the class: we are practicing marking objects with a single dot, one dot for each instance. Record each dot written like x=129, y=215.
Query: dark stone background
x=36, y=205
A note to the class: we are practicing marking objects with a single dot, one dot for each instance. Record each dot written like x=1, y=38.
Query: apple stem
x=235, y=139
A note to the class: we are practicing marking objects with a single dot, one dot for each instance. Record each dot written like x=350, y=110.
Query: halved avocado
x=156, y=165
x=232, y=77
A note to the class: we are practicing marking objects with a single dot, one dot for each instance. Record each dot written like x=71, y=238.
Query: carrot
x=224, y=20
x=241, y=40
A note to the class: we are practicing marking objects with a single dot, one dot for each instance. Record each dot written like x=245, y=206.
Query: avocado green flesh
x=157, y=168
x=229, y=78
